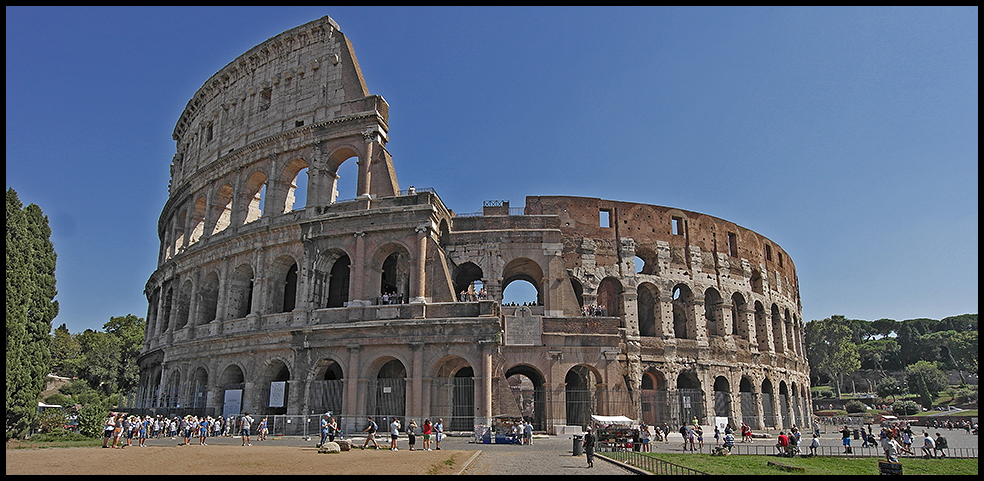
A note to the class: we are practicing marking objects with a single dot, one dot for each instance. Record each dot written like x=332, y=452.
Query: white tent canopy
x=612, y=420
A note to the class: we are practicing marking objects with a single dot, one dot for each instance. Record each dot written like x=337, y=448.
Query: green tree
x=30, y=308
x=831, y=348
x=101, y=360
x=129, y=330
x=66, y=354
x=925, y=380
x=890, y=387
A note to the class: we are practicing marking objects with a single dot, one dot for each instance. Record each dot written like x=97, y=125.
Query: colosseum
x=278, y=295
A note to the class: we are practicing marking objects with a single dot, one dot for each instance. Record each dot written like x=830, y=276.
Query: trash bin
x=857, y=434
x=577, y=445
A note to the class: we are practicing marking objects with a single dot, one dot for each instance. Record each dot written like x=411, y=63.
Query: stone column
x=357, y=288
x=418, y=288
x=352, y=381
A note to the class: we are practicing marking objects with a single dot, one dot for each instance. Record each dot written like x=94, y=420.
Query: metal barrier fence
x=650, y=463
x=768, y=449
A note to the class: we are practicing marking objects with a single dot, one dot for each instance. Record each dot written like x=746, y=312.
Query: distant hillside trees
x=30, y=308
x=923, y=348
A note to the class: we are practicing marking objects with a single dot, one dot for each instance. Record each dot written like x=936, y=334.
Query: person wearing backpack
x=370, y=431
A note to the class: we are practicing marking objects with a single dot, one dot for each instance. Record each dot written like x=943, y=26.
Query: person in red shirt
x=783, y=444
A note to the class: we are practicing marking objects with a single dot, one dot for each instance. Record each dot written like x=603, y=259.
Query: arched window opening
x=526, y=387
x=278, y=389
x=338, y=286
x=520, y=292
x=778, y=335
x=739, y=323
x=722, y=397
x=610, y=297
x=579, y=396
x=241, y=292
x=328, y=391
x=395, y=278
x=290, y=289
x=712, y=312
x=655, y=408
x=648, y=306
x=468, y=282
x=199, y=390
x=756, y=282
x=198, y=220
x=297, y=191
x=682, y=303
x=346, y=185
x=222, y=209
x=209, y=298
x=255, y=195
x=761, y=327
x=390, y=390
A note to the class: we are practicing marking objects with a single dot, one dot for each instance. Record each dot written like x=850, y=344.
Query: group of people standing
x=120, y=429
x=427, y=430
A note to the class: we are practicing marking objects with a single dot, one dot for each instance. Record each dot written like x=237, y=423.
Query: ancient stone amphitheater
x=275, y=295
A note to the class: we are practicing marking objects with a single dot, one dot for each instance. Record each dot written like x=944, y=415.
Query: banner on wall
x=232, y=403
x=277, y=391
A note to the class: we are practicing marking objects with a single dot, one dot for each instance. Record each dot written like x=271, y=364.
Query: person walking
x=370, y=431
x=846, y=439
x=589, y=446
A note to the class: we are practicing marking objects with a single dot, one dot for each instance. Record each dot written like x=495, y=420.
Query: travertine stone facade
x=272, y=302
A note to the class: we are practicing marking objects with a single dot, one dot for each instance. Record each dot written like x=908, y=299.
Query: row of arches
x=759, y=404
x=267, y=190
x=384, y=390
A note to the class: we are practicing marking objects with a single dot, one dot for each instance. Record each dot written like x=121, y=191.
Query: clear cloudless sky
x=848, y=136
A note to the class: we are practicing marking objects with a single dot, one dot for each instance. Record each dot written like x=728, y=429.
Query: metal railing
x=650, y=463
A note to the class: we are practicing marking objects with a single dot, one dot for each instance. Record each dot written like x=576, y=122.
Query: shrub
x=905, y=408
x=855, y=407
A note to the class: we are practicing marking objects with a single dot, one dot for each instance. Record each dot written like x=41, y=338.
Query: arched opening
x=777, y=330
x=277, y=389
x=610, y=297
x=690, y=399
x=756, y=282
x=522, y=269
x=682, y=302
x=784, y=406
x=338, y=286
x=199, y=391
x=222, y=209
x=768, y=411
x=208, y=298
x=290, y=289
x=655, y=408
x=761, y=327
x=713, y=307
x=578, y=292
x=749, y=408
x=198, y=220
x=520, y=292
x=171, y=395
x=241, y=292
x=178, y=232
x=394, y=281
x=467, y=279
x=647, y=301
x=739, y=321
x=232, y=382
x=184, y=305
x=254, y=194
x=645, y=260
x=294, y=181
x=463, y=400
x=579, y=394
x=389, y=391
x=343, y=168
x=526, y=385
x=327, y=390
x=722, y=397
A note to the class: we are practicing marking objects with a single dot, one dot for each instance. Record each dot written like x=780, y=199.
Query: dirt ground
x=230, y=459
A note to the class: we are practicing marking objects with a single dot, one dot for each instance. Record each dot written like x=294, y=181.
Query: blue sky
x=846, y=135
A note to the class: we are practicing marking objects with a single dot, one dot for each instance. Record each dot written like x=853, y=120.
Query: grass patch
x=753, y=465
x=37, y=442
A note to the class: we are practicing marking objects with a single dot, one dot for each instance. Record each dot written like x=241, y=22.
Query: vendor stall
x=615, y=433
x=504, y=430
